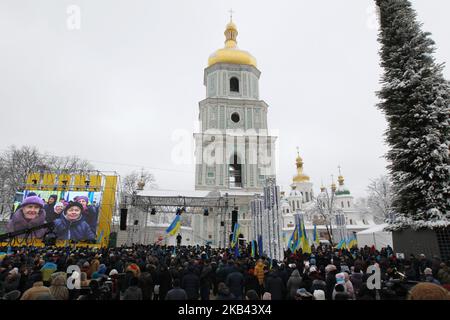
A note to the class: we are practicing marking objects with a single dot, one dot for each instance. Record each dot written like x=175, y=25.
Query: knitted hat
x=330, y=268
x=319, y=295
x=302, y=292
x=33, y=200
x=81, y=198
x=73, y=204
x=113, y=272
x=428, y=271
x=340, y=278
x=267, y=296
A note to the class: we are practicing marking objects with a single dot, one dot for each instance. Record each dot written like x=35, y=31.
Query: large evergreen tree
x=415, y=99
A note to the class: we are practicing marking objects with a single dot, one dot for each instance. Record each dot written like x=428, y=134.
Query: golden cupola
x=231, y=53
x=300, y=177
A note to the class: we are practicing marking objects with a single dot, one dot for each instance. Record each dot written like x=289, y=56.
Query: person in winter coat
x=71, y=225
x=176, y=293
x=224, y=293
x=146, y=285
x=133, y=292
x=428, y=275
x=205, y=281
x=34, y=292
x=251, y=295
x=356, y=279
x=30, y=214
x=89, y=213
x=275, y=286
x=235, y=281
x=164, y=280
x=443, y=274
x=49, y=208
x=191, y=284
x=294, y=283
x=58, y=209
x=259, y=273
x=58, y=288
x=100, y=272
x=349, y=286
x=250, y=281
x=12, y=281
x=330, y=280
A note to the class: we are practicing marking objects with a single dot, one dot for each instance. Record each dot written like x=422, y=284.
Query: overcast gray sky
x=121, y=88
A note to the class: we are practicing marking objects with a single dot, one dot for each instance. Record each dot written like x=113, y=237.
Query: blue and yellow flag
x=174, y=226
x=235, y=238
x=352, y=242
x=306, y=248
x=341, y=244
x=294, y=241
x=253, y=249
x=316, y=238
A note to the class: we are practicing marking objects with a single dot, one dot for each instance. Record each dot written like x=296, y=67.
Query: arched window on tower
x=235, y=173
x=234, y=84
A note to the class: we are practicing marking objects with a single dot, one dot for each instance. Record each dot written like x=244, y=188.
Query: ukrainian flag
x=306, y=248
x=235, y=235
x=341, y=244
x=352, y=242
x=174, y=226
x=253, y=248
x=316, y=236
x=294, y=240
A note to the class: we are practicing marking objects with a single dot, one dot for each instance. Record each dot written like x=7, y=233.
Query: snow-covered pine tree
x=415, y=99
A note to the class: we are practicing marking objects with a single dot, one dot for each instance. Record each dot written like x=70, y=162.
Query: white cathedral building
x=301, y=200
x=235, y=154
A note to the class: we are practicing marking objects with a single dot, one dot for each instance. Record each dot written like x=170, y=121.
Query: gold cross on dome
x=231, y=14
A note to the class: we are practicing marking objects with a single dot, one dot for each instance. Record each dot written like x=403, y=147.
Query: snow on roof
x=173, y=193
x=376, y=228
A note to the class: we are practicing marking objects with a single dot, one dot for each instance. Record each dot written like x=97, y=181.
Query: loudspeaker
x=123, y=219
x=234, y=219
x=136, y=222
x=206, y=212
x=153, y=212
x=222, y=223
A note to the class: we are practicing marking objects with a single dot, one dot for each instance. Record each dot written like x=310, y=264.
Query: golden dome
x=300, y=177
x=231, y=53
x=333, y=187
x=341, y=180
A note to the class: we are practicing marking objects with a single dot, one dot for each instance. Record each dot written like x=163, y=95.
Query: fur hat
x=428, y=291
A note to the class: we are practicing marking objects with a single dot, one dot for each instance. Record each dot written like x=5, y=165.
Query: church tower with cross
x=233, y=148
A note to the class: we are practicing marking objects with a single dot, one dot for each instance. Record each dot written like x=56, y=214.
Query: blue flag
x=260, y=245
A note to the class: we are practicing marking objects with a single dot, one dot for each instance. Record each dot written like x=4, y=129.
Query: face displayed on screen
x=59, y=209
x=31, y=211
x=83, y=202
x=73, y=213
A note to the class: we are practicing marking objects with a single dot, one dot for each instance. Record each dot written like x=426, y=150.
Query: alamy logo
x=73, y=17
x=374, y=280
x=73, y=282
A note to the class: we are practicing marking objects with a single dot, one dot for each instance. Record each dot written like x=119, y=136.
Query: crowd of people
x=155, y=272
